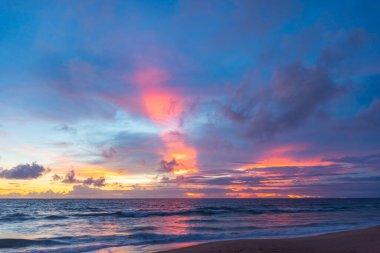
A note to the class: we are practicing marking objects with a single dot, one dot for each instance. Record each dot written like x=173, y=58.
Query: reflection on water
x=139, y=225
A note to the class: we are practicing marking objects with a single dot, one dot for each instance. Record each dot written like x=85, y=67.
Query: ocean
x=146, y=225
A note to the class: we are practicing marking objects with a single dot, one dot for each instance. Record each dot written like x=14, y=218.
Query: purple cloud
x=168, y=166
x=71, y=179
x=95, y=182
x=296, y=94
x=24, y=171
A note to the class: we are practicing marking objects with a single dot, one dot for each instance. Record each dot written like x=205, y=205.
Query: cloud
x=71, y=179
x=295, y=94
x=373, y=159
x=369, y=118
x=335, y=54
x=83, y=191
x=298, y=93
x=168, y=166
x=24, y=171
x=95, y=182
x=317, y=180
x=99, y=89
x=137, y=151
x=109, y=153
x=55, y=177
x=181, y=179
x=366, y=122
x=66, y=128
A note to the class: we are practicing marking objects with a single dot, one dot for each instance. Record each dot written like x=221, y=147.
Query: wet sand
x=355, y=241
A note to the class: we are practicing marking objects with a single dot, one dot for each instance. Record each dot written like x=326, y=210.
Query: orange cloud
x=185, y=155
x=164, y=106
x=283, y=156
x=161, y=106
x=295, y=196
x=161, y=103
x=252, y=195
x=194, y=195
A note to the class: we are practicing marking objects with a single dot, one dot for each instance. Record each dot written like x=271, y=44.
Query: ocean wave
x=88, y=243
x=19, y=243
x=201, y=211
x=84, y=225
x=204, y=221
x=14, y=217
x=143, y=228
x=207, y=211
x=71, y=244
x=221, y=229
x=55, y=217
x=153, y=238
x=19, y=217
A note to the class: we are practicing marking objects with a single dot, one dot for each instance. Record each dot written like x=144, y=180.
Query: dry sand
x=356, y=241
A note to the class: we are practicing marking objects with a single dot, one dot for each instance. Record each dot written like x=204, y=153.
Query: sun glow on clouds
x=164, y=105
x=24, y=187
x=129, y=179
x=194, y=195
x=267, y=195
x=185, y=156
x=252, y=195
x=273, y=181
x=295, y=196
x=282, y=156
x=176, y=113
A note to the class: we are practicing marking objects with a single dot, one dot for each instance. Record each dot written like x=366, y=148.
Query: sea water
x=83, y=225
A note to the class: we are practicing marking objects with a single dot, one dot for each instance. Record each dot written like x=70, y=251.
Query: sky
x=213, y=99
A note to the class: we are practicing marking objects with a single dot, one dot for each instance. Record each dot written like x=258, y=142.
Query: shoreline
x=365, y=240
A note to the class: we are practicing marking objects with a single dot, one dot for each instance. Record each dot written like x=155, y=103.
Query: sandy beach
x=355, y=241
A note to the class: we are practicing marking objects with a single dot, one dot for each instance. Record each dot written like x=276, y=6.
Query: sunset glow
x=189, y=126
x=189, y=99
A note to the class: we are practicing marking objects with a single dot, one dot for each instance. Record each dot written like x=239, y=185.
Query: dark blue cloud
x=373, y=159
x=24, y=171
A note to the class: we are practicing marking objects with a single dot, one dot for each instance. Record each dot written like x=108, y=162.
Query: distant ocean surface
x=141, y=224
